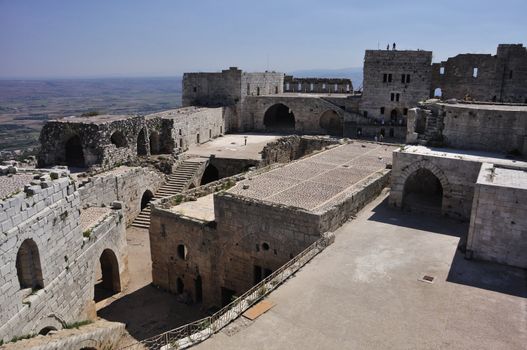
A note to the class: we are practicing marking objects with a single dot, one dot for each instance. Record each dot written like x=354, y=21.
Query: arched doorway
x=423, y=192
x=118, y=139
x=28, y=266
x=210, y=174
x=331, y=122
x=141, y=143
x=279, y=117
x=108, y=281
x=155, y=143
x=74, y=152
x=146, y=198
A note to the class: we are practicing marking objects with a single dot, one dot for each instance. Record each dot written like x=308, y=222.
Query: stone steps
x=175, y=184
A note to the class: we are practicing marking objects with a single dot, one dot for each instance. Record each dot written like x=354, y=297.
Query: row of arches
x=280, y=117
x=74, y=152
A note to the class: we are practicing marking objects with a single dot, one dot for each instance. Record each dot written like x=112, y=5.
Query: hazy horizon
x=141, y=39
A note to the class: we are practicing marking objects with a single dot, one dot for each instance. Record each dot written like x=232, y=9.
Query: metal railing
x=195, y=332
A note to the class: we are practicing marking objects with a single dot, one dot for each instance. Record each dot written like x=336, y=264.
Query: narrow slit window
x=442, y=70
x=475, y=72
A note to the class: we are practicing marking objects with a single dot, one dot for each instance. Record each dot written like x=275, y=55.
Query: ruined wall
x=483, y=77
x=59, y=261
x=289, y=148
x=498, y=225
x=394, y=81
x=497, y=128
x=121, y=184
x=212, y=89
x=317, y=85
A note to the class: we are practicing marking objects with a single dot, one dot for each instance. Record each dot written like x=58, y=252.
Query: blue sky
x=95, y=38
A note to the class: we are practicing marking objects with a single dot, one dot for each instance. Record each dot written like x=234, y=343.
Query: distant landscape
x=25, y=105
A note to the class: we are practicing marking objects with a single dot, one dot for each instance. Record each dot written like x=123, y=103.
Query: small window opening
x=382, y=110
x=389, y=78
x=311, y=87
x=287, y=86
x=392, y=97
x=197, y=138
x=403, y=78
x=384, y=78
x=405, y=111
x=265, y=246
x=407, y=78
x=299, y=86
x=336, y=87
x=475, y=72
x=257, y=91
x=182, y=251
x=276, y=90
x=248, y=89
x=195, y=89
x=324, y=86
x=442, y=70
x=510, y=74
x=365, y=113
x=210, y=133
x=397, y=97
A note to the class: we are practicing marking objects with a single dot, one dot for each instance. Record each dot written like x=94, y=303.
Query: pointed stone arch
x=400, y=182
x=331, y=121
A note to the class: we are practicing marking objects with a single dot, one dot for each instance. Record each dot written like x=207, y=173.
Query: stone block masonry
x=498, y=226
x=47, y=264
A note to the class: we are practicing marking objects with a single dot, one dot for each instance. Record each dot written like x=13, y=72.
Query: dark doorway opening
x=394, y=116
x=141, y=143
x=279, y=117
x=257, y=273
x=118, y=139
x=108, y=281
x=331, y=122
x=423, y=192
x=146, y=198
x=227, y=296
x=155, y=143
x=46, y=330
x=198, y=287
x=392, y=132
x=74, y=152
x=180, y=287
x=209, y=175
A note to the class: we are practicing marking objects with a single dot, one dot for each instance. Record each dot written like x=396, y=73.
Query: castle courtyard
x=366, y=292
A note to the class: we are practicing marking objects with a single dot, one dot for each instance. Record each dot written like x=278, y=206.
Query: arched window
x=118, y=139
x=28, y=266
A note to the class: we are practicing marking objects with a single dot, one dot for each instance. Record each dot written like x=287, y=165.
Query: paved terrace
x=364, y=292
x=315, y=182
x=233, y=146
x=13, y=184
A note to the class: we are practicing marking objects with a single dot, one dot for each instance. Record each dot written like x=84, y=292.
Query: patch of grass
x=76, y=325
x=90, y=114
x=87, y=233
x=22, y=337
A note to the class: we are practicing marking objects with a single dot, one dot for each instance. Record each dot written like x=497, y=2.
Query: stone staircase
x=177, y=182
x=432, y=134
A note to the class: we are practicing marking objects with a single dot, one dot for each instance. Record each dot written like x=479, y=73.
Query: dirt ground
x=146, y=310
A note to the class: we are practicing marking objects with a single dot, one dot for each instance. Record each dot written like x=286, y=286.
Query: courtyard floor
x=233, y=146
x=146, y=310
x=366, y=292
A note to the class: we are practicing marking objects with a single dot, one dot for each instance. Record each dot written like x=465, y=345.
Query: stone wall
x=483, y=77
x=107, y=141
x=266, y=83
x=47, y=265
x=457, y=177
x=121, y=184
x=487, y=127
x=317, y=85
x=100, y=335
x=498, y=225
x=394, y=81
x=289, y=148
x=212, y=89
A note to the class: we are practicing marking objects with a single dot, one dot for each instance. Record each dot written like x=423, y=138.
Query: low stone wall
x=47, y=265
x=121, y=184
x=100, y=335
x=289, y=148
x=498, y=223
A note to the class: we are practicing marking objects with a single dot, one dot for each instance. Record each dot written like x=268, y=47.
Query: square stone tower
x=394, y=81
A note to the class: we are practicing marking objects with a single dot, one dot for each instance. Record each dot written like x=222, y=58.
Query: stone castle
x=220, y=224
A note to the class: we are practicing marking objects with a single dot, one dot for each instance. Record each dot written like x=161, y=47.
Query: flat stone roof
x=314, y=182
x=468, y=155
x=178, y=112
x=201, y=209
x=96, y=119
x=503, y=177
x=490, y=107
x=233, y=146
x=92, y=216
